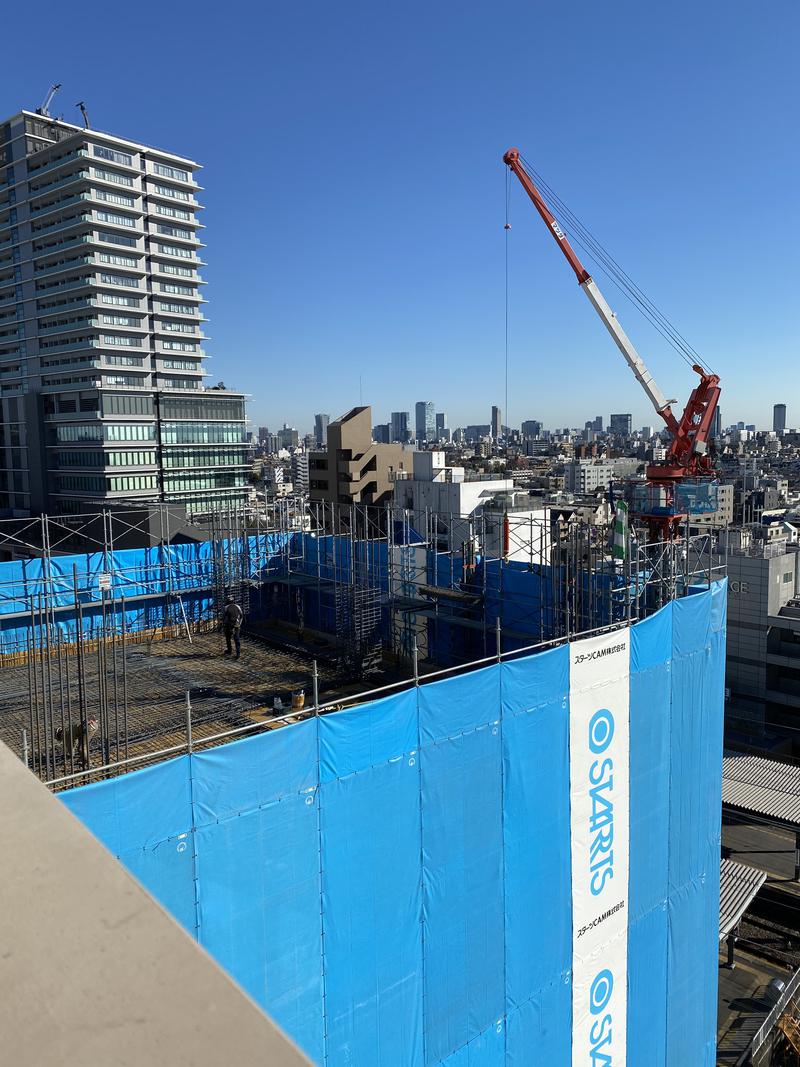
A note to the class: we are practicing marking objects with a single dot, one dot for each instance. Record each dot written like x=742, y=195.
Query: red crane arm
x=688, y=451
x=512, y=160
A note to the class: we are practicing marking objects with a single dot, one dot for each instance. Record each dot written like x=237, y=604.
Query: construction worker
x=231, y=625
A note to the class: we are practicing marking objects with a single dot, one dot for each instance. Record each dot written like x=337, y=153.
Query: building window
x=202, y=433
x=117, y=239
x=175, y=231
x=123, y=361
x=121, y=379
x=179, y=346
x=117, y=261
x=173, y=268
x=115, y=219
x=113, y=176
x=173, y=212
x=114, y=404
x=112, y=156
x=120, y=301
x=171, y=172
x=167, y=190
x=114, y=198
x=178, y=327
x=177, y=290
x=126, y=482
x=177, y=309
x=181, y=364
x=119, y=320
x=130, y=432
x=176, y=250
x=119, y=279
x=121, y=339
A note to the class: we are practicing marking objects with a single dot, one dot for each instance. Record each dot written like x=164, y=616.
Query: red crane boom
x=687, y=456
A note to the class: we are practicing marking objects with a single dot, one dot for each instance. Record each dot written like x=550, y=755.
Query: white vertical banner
x=599, y=698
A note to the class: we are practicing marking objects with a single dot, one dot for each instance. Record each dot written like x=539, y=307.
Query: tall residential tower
x=101, y=328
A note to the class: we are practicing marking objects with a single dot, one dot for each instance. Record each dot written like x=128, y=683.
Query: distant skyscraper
x=425, y=412
x=598, y=424
x=263, y=434
x=620, y=425
x=497, y=427
x=288, y=437
x=321, y=430
x=441, y=425
x=400, y=426
x=382, y=433
x=531, y=428
x=779, y=418
x=716, y=423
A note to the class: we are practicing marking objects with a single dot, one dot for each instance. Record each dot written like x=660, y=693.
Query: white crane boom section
x=624, y=344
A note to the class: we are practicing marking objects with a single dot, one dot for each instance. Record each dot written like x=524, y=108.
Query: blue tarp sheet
x=392, y=882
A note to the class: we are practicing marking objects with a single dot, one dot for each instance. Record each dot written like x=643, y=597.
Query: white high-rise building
x=101, y=328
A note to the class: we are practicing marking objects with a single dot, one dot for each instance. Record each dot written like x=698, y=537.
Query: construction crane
x=44, y=110
x=82, y=108
x=681, y=483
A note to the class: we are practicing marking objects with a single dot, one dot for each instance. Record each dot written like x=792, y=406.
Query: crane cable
x=507, y=231
x=615, y=273
x=611, y=268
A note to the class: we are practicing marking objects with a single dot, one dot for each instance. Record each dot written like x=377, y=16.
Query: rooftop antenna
x=45, y=108
x=85, y=113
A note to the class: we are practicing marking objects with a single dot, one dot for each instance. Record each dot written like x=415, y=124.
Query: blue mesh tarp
x=150, y=580
x=393, y=882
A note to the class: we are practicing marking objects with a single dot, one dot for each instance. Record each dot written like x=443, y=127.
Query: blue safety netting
x=160, y=585
x=392, y=882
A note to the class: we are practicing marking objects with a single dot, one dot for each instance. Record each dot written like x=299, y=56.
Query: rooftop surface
x=143, y=693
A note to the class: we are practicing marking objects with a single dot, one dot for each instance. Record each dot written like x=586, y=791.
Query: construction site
x=432, y=787
x=125, y=644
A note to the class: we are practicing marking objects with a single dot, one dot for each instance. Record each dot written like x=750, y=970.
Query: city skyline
x=394, y=256
x=546, y=423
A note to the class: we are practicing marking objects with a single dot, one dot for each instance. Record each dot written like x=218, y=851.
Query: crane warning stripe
x=599, y=836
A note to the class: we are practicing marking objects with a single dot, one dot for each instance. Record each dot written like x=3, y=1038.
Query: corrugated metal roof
x=738, y=885
x=763, y=786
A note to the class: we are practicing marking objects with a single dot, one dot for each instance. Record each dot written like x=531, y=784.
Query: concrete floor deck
x=143, y=696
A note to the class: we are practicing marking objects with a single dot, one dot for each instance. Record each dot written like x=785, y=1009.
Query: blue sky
x=355, y=190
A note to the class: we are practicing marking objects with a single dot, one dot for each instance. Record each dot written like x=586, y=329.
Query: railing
x=62, y=161
x=770, y=1022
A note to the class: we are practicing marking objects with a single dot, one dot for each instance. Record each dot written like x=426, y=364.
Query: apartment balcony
x=61, y=268
x=152, y=194
x=60, y=183
x=68, y=305
x=77, y=153
x=83, y=324
x=68, y=346
x=65, y=287
x=68, y=387
x=43, y=253
x=84, y=219
x=58, y=205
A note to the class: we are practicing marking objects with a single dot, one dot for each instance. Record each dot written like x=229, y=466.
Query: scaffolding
x=368, y=594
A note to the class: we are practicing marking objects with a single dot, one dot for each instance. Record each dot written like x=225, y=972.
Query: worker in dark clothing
x=231, y=626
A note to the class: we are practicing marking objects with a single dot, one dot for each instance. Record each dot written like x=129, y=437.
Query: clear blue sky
x=355, y=190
